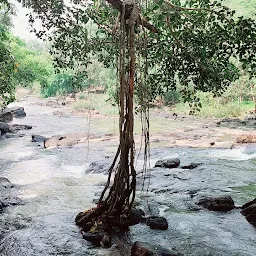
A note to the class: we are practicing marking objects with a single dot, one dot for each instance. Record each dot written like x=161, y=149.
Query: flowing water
x=54, y=187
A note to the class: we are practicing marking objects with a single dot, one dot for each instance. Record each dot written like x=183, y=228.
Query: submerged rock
x=249, y=211
x=97, y=167
x=18, y=112
x=168, y=163
x=155, y=222
x=191, y=166
x=221, y=204
x=145, y=249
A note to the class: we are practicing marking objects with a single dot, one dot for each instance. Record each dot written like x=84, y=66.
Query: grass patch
x=93, y=101
x=218, y=110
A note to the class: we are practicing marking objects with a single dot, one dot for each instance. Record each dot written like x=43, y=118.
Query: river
x=54, y=187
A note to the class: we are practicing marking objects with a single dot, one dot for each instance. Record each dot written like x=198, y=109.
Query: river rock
x=98, y=238
x=221, y=204
x=136, y=216
x=249, y=211
x=6, y=115
x=146, y=249
x=155, y=222
x=4, y=128
x=38, y=138
x=168, y=163
x=18, y=112
x=191, y=166
x=97, y=167
x=53, y=142
x=6, y=197
x=17, y=127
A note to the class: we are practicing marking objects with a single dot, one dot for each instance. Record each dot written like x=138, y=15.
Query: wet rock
x=249, y=211
x=5, y=183
x=136, y=216
x=168, y=163
x=97, y=167
x=17, y=127
x=6, y=197
x=38, y=138
x=145, y=249
x=5, y=115
x=155, y=222
x=4, y=128
x=191, y=166
x=18, y=112
x=221, y=204
x=98, y=238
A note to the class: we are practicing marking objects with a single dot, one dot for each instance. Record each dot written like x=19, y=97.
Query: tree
x=156, y=44
x=7, y=64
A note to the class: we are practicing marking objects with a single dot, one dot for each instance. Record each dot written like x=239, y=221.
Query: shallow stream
x=54, y=187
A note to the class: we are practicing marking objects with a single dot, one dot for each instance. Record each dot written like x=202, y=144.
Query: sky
x=21, y=26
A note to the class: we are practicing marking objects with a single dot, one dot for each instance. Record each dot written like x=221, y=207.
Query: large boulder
x=168, y=163
x=4, y=128
x=221, y=204
x=146, y=249
x=155, y=222
x=249, y=211
x=18, y=112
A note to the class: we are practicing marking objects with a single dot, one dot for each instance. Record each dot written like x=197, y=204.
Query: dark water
x=54, y=188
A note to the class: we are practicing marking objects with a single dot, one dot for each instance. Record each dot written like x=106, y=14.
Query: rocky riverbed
x=47, y=187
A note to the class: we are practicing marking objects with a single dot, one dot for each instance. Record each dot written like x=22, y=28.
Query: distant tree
x=7, y=63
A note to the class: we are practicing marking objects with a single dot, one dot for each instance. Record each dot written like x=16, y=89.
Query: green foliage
x=7, y=64
x=63, y=84
x=32, y=66
x=171, y=97
x=193, y=47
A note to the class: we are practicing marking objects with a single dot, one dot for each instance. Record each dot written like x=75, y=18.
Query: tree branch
x=117, y=4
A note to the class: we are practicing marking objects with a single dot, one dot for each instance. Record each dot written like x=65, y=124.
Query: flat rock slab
x=168, y=163
x=145, y=249
x=155, y=222
x=221, y=204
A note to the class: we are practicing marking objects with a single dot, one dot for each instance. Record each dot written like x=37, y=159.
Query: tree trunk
x=113, y=209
